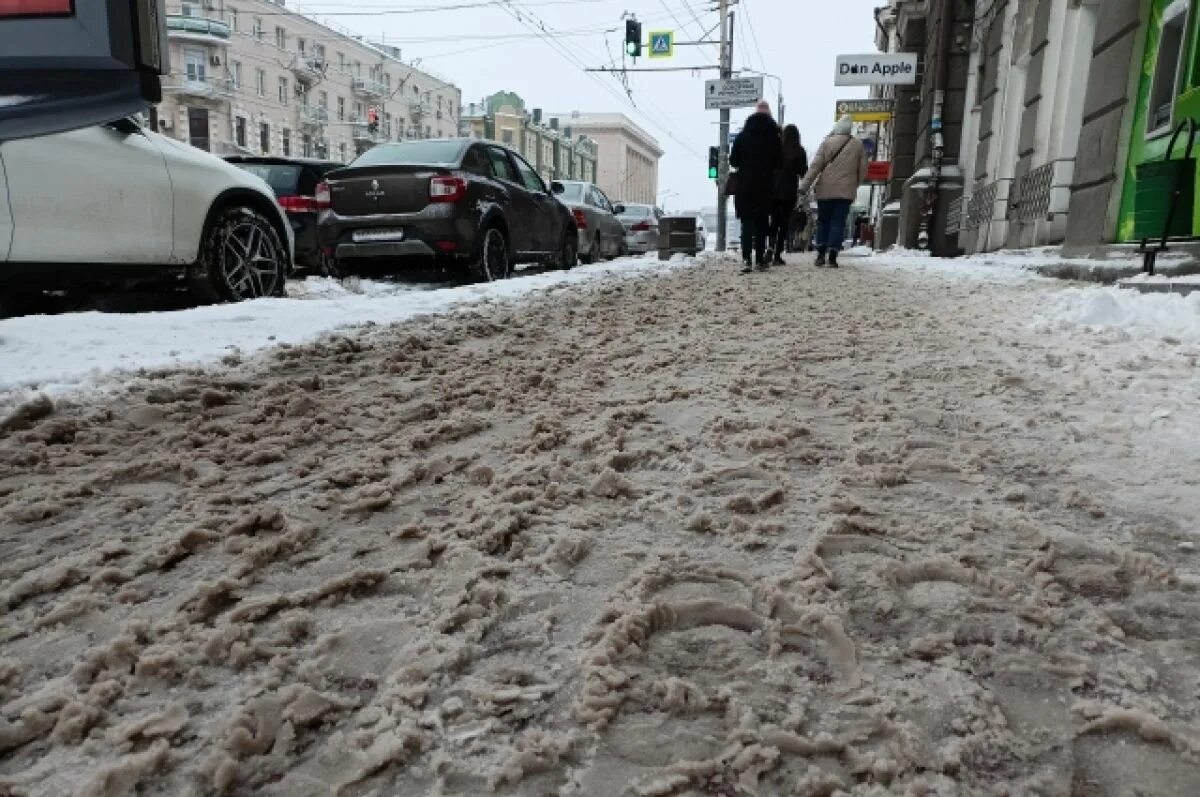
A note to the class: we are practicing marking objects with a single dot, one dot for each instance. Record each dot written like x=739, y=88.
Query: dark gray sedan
x=601, y=233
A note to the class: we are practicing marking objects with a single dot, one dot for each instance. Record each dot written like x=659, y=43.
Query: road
x=874, y=530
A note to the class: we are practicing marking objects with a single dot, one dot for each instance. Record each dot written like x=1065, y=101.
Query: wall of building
x=249, y=75
x=627, y=156
x=556, y=152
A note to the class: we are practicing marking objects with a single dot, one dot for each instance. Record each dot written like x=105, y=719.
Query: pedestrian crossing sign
x=662, y=43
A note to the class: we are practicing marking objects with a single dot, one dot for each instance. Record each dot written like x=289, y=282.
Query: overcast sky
x=483, y=48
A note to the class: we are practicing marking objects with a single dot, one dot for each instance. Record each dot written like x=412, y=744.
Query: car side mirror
x=619, y=209
x=557, y=188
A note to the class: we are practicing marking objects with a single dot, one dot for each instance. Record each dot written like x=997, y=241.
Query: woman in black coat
x=757, y=155
x=787, y=189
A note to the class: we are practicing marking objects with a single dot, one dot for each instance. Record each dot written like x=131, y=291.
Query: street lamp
x=664, y=196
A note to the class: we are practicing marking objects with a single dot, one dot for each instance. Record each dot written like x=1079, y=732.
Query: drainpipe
x=941, y=80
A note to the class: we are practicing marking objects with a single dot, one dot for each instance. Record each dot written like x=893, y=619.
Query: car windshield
x=412, y=153
x=280, y=176
x=638, y=212
x=572, y=192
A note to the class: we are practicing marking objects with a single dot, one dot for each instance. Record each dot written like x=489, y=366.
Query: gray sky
x=484, y=49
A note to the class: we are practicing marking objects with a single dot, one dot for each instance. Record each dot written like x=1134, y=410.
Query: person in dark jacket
x=787, y=190
x=757, y=155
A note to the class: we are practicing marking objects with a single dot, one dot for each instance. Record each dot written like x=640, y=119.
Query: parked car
x=294, y=181
x=119, y=206
x=641, y=228
x=601, y=233
x=469, y=205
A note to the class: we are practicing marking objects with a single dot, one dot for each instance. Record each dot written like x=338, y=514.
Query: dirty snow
x=867, y=531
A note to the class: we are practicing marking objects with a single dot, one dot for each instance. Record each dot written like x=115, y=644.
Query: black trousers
x=781, y=220
x=756, y=224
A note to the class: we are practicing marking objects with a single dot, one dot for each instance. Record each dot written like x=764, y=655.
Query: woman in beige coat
x=839, y=168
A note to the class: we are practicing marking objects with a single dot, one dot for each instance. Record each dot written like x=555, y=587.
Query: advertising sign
x=879, y=171
x=879, y=69
x=865, y=110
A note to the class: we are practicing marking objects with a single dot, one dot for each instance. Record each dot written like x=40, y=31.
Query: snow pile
x=1162, y=314
x=63, y=353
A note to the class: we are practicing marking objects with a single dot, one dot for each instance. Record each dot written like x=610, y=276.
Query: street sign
x=865, y=110
x=735, y=92
x=662, y=43
x=879, y=171
x=880, y=69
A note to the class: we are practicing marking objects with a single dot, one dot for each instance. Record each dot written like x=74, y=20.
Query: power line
x=753, y=35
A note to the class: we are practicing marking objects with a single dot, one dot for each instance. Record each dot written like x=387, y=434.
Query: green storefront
x=1168, y=94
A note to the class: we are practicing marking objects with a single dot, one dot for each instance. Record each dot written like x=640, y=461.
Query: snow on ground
x=804, y=532
x=62, y=353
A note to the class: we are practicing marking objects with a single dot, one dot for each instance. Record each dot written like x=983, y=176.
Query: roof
x=592, y=121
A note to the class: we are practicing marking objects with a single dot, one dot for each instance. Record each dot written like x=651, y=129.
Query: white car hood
x=178, y=151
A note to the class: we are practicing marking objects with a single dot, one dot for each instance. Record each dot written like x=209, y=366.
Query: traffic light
x=714, y=162
x=373, y=119
x=633, y=38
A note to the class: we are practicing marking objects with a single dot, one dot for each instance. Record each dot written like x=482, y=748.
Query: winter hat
x=762, y=107
x=844, y=126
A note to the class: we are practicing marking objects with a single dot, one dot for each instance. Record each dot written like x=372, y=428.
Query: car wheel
x=329, y=267
x=569, y=255
x=493, y=262
x=241, y=258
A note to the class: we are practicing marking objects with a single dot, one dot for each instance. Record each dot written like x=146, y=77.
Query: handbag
x=731, y=184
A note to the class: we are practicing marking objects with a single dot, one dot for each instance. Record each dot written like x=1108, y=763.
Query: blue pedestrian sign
x=662, y=43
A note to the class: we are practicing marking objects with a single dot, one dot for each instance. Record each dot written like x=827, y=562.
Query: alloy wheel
x=495, y=255
x=249, y=261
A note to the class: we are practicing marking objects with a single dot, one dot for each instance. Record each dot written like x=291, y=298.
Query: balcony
x=198, y=29
x=308, y=68
x=313, y=116
x=211, y=89
x=418, y=109
x=365, y=87
x=362, y=134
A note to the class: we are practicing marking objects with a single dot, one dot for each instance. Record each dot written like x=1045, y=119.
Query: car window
x=501, y=165
x=637, y=211
x=281, y=177
x=602, y=200
x=476, y=162
x=528, y=176
x=417, y=153
x=572, y=192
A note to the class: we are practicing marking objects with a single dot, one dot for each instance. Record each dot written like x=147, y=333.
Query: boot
x=747, y=266
x=820, y=258
x=833, y=259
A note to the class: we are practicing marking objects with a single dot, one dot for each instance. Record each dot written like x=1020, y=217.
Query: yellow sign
x=662, y=43
x=879, y=110
x=868, y=117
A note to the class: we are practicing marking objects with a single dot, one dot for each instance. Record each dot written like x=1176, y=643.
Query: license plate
x=365, y=236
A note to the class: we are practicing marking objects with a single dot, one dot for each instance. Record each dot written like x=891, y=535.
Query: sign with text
x=879, y=69
x=879, y=171
x=734, y=92
x=865, y=110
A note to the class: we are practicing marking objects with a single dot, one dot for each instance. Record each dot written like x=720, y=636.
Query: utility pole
x=726, y=58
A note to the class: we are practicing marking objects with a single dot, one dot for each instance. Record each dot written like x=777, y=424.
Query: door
x=521, y=210
x=195, y=68
x=614, y=231
x=547, y=219
x=96, y=195
x=198, y=130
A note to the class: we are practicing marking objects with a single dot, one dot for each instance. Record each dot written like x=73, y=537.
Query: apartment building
x=253, y=77
x=627, y=155
x=557, y=152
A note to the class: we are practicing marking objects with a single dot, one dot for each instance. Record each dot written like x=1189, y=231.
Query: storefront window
x=1169, y=69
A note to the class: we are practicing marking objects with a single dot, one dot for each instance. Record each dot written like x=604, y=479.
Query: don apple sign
x=880, y=69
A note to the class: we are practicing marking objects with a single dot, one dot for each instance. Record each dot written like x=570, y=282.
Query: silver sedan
x=600, y=233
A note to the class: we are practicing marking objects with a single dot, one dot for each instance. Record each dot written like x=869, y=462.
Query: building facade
x=252, y=77
x=628, y=155
x=557, y=152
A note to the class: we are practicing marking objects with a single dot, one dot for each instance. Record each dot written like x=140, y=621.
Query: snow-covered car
x=641, y=228
x=601, y=233
x=118, y=206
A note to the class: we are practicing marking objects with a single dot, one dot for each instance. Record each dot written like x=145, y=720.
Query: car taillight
x=641, y=226
x=321, y=197
x=36, y=8
x=447, y=189
x=580, y=218
x=298, y=204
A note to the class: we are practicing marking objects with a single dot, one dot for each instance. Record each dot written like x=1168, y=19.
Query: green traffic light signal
x=712, y=172
x=631, y=48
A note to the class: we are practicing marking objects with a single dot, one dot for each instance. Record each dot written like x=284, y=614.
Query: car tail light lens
x=321, y=197
x=298, y=204
x=36, y=8
x=641, y=226
x=447, y=189
x=580, y=218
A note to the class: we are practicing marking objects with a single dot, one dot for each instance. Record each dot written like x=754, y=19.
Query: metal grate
x=979, y=211
x=1030, y=198
x=954, y=216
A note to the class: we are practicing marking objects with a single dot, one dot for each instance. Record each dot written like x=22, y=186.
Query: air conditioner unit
x=215, y=60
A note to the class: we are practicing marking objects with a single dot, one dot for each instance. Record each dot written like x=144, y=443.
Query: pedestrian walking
x=757, y=155
x=787, y=190
x=838, y=169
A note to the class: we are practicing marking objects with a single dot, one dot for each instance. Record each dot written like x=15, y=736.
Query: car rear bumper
x=641, y=242
x=383, y=249
x=425, y=235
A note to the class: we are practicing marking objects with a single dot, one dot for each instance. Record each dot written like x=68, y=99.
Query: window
x=342, y=62
x=283, y=91
x=323, y=100
x=387, y=82
x=341, y=109
x=233, y=19
x=387, y=125
x=1168, y=69
x=306, y=145
x=416, y=92
x=501, y=165
x=529, y=177
x=476, y=162
x=239, y=131
x=358, y=69
x=300, y=45
x=428, y=132
x=195, y=65
x=360, y=112
x=186, y=9
x=260, y=82
x=235, y=74
x=342, y=152
x=280, y=38
x=258, y=29
x=287, y=143
x=506, y=136
x=264, y=138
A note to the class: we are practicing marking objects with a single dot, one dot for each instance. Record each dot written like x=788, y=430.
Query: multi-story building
x=628, y=155
x=557, y=152
x=251, y=76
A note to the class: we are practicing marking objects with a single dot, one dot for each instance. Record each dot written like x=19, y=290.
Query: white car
x=641, y=228
x=118, y=206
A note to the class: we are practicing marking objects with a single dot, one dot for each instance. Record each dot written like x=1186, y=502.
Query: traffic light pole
x=726, y=56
